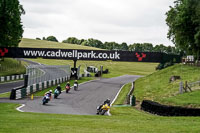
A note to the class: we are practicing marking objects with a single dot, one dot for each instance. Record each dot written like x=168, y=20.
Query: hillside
x=32, y=43
x=156, y=86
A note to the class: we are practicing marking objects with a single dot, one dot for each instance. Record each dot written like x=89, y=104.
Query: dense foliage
x=184, y=25
x=11, y=28
x=51, y=38
x=139, y=47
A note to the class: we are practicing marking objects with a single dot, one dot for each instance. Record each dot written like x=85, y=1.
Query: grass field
x=32, y=43
x=123, y=94
x=123, y=120
x=156, y=86
x=115, y=68
x=11, y=67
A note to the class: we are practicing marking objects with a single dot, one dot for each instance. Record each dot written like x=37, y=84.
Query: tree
x=11, y=29
x=184, y=25
x=37, y=38
x=124, y=46
x=52, y=38
x=73, y=40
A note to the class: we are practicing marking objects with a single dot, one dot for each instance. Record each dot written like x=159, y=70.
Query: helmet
x=58, y=84
x=50, y=91
x=68, y=82
x=108, y=99
x=76, y=80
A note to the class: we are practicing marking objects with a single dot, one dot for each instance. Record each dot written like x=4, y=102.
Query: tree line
x=139, y=47
x=183, y=20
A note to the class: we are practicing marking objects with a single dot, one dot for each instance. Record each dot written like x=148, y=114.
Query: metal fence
x=41, y=73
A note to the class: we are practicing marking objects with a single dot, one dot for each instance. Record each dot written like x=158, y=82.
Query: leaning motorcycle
x=56, y=93
x=45, y=99
x=101, y=110
x=67, y=88
x=75, y=86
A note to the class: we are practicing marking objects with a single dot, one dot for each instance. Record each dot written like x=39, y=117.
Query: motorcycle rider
x=47, y=97
x=68, y=84
x=48, y=94
x=107, y=101
x=76, y=84
x=59, y=88
x=67, y=87
x=56, y=93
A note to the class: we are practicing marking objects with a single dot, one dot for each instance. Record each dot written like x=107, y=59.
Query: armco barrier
x=164, y=110
x=21, y=92
x=11, y=78
x=129, y=95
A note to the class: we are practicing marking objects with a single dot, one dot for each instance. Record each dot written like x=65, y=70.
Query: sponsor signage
x=77, y=54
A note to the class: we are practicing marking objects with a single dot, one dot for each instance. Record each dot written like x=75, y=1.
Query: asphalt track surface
x=7, y=87
x=81, y=102
x=56, y=73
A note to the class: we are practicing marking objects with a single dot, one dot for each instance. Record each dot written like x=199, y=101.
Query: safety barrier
x=130, y=99
x=11, y=78
x=21, y=92
x=164, y=110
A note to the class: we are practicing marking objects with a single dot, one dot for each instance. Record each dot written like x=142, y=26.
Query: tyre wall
x=164, y=110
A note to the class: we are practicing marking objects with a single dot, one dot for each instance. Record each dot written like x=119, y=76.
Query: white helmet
x=50, y=91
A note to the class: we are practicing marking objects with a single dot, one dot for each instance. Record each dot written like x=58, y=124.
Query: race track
x=81, y=102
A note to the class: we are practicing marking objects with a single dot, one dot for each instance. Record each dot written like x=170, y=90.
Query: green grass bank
x=157, y=87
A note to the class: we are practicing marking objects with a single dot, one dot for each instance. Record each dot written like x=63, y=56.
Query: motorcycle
x=101, y=110
x=67, y=88
x=56, y=93
x=45, y=99
x=75, y=86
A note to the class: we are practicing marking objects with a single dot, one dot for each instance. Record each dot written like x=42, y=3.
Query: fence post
x=181, y=87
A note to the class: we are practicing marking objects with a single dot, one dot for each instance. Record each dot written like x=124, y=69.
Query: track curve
x=81, y=102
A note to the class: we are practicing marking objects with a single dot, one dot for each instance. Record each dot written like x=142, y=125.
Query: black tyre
x=103, y=112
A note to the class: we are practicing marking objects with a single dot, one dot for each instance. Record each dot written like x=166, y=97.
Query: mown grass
x=123, y=120
x=5, y=95
x=11, y=67
x=121, y=99
x=32, y=43
x=157, y=87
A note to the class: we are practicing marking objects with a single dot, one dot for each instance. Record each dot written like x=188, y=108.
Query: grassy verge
x=11, y=67
x=126, y=120
x=156, y=86
x=121, y=99
x=5, y=95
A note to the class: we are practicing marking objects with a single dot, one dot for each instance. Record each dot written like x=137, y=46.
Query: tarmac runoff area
x=81, y=102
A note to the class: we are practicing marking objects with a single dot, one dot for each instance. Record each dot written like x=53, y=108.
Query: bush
x=164, y=65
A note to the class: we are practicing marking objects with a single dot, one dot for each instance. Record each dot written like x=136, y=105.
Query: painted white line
x=19, y=108
x=109, y=114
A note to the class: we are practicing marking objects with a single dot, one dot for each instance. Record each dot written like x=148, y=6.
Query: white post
x=181, y=87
